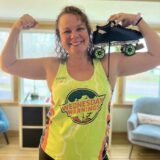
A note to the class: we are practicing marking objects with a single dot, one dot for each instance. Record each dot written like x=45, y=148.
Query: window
x=36, y=44
x=41, y=43
x=6, y=80
x=145, y=84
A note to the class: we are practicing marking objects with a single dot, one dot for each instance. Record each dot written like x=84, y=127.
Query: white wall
x=13, y=114
x=97, y=10
x=119, y=119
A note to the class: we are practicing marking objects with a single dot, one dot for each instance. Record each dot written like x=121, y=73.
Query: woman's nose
x=74, y=34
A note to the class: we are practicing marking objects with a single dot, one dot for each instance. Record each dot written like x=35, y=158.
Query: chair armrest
x=4, y=118
x=132, y=122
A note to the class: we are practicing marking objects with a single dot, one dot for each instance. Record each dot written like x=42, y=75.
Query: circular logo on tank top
x=82, y=105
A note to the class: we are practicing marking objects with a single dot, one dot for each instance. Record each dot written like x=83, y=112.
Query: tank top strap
x=99, y=70
x=62, y=70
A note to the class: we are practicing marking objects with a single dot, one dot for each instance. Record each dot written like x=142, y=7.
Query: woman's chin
x=78, y=49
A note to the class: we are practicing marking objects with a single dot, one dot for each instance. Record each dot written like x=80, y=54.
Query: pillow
x=144, y=118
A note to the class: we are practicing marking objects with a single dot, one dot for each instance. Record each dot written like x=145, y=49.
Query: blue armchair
x=144, y=134
x=4, y=124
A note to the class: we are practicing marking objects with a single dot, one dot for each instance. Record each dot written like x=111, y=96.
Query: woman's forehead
x=69, y=19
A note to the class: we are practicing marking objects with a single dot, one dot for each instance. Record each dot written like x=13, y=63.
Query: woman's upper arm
x=140, y=62
x=31, y=68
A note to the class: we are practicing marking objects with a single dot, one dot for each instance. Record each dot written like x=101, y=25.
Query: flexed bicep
x=28, y=68
x=138, y=63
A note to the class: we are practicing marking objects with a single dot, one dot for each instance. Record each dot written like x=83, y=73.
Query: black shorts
x=105, y=158
x=43, y=155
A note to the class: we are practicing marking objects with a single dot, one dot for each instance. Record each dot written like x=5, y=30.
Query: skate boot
x=112, y=34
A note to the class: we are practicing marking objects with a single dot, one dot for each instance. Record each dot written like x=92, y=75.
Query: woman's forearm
x=151, y=37
x=9, y=57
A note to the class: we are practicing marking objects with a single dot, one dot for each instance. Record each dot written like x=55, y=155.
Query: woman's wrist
x=138, y=18
x=17, y=26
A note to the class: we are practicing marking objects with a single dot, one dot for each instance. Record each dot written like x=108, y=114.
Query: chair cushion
x=147, y=133
x=144, y=118
x=2, y=126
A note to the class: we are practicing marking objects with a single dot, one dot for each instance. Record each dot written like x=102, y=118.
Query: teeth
x=76, y=43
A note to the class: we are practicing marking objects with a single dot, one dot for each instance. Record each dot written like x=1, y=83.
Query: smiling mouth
x=76, y=43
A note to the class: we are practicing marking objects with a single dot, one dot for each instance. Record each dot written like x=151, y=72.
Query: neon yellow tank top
x=77, y=127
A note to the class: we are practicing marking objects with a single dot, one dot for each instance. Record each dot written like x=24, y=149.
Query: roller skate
x=112, y=35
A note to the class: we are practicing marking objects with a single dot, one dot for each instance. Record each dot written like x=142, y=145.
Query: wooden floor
x=13, y=151
x=120, y=150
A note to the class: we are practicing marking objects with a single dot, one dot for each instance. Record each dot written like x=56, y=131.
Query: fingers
x=123, y=18
x=116, y=17
x=26, y=22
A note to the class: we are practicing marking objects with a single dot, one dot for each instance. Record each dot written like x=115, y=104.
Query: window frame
x=6, y=25
x=50, y=25
x=120, y=89
x=22, y=97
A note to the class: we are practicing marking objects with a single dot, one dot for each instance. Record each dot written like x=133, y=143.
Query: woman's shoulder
x=110, y=62
x=52, y=61
x=52, y=64
x=111, y=58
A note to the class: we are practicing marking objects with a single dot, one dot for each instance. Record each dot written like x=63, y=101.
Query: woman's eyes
x=67, y=32
x=78, y=30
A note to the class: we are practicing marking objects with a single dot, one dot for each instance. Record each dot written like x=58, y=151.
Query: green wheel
x=128, y=49
x=99, y=53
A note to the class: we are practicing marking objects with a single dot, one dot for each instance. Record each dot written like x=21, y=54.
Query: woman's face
x=73, y=34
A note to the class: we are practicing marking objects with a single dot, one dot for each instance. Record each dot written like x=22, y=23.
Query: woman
x=78, y=121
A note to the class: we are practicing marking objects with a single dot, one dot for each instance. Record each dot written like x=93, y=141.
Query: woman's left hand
x=125, y=19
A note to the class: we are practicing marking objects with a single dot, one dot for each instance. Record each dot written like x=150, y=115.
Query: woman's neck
x=80, y=60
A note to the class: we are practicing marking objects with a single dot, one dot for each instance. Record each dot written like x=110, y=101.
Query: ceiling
x=97, y=10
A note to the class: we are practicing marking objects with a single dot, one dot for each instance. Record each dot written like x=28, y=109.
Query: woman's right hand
x=25, y=22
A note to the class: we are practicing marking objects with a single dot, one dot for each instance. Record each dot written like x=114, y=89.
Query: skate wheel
x=128, y=49
x=99, y=53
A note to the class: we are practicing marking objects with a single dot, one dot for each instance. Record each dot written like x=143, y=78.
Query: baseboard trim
x=119, y=133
